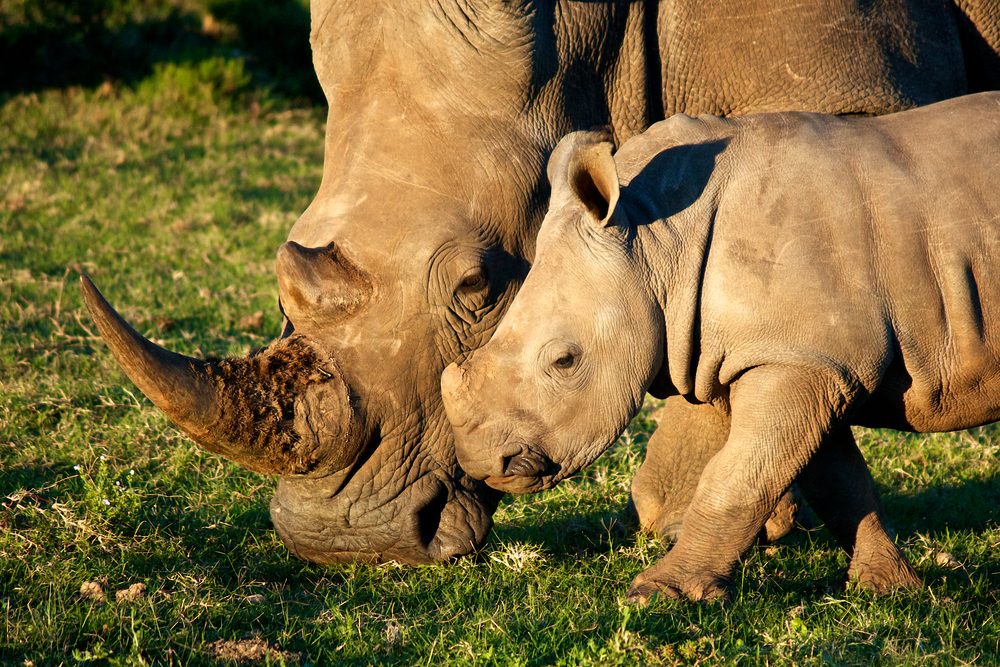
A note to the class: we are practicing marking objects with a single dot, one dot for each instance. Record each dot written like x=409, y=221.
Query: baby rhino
x=799, y=272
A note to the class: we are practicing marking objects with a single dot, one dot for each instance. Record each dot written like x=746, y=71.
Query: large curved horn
x=283, y=410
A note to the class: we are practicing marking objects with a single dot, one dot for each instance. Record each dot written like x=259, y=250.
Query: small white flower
x=76, y=467
x=103, y=457
x=106, y=502
x=131, y=471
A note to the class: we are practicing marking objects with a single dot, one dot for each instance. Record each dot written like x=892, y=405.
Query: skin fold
x=798, y=273
x=441, y=118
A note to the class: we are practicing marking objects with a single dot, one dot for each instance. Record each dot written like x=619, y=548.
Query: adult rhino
x=441, y=119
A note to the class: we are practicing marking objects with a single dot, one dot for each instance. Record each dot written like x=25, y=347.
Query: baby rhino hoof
x=885, y=575
x=648, y=585
x=877, y=565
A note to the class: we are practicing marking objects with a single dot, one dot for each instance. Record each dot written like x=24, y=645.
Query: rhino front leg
x=687, y=438
x=780, y=415
x=840, y=489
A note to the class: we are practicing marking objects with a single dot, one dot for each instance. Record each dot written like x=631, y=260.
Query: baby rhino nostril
x=527, y=464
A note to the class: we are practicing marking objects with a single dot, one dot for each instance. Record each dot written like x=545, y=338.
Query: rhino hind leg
x=688, y=437
x=840, y=489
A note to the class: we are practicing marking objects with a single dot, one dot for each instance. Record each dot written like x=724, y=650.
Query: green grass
x=174, y=194
x=58, y=43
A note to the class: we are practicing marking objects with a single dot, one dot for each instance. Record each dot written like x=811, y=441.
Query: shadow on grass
x=587, y=534
x=966, y=505
x=85, y=42
x=969, y=505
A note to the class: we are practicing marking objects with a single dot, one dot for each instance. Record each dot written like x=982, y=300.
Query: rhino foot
x=673, y=582
x=882, y=570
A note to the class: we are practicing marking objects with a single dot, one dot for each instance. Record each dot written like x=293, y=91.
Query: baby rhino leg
x=840, y=489
x=780, y=417
x=687, y=438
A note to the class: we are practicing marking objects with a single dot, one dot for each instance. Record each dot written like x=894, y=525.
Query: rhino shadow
x=982, y=61
x=589, y=534
x=972, y=505
x=672, y=181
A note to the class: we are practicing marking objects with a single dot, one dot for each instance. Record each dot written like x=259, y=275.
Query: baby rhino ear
x=581, y=169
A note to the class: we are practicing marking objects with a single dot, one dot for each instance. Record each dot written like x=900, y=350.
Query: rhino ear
x=583, y=169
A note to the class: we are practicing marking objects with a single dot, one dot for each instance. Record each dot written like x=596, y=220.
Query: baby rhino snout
x=462, y=405
x=483, y=445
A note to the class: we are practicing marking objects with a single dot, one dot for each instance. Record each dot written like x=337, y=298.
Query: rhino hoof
x=885, y=576
x=697, y=589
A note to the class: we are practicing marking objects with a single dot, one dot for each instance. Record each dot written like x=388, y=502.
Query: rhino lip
x=517, y=485
x=527, y=464
x=526, y=472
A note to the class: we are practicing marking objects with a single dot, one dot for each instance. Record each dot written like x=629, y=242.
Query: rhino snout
x=486, y=446
x=458, y=407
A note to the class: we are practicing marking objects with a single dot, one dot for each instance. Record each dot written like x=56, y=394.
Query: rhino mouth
x=436, y=520
x=526, y=472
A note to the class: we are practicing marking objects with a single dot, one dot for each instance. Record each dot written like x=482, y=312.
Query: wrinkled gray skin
x=441, y=118
x=798, y=273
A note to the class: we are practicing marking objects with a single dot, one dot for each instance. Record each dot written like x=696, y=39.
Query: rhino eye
x=565, y=361
x=568, y=359
x=474, y=281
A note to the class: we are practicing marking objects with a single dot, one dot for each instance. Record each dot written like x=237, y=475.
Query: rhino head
x=345, y=407
x=441, y=118
x=287, y=410
x=569, y=365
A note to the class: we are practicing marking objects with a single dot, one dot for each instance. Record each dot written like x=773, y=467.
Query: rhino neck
x=673, y=183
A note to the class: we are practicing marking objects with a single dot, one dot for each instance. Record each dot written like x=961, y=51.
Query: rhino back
x=833, y=56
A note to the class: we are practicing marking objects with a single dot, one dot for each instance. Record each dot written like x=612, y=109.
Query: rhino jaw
x=437, y=518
